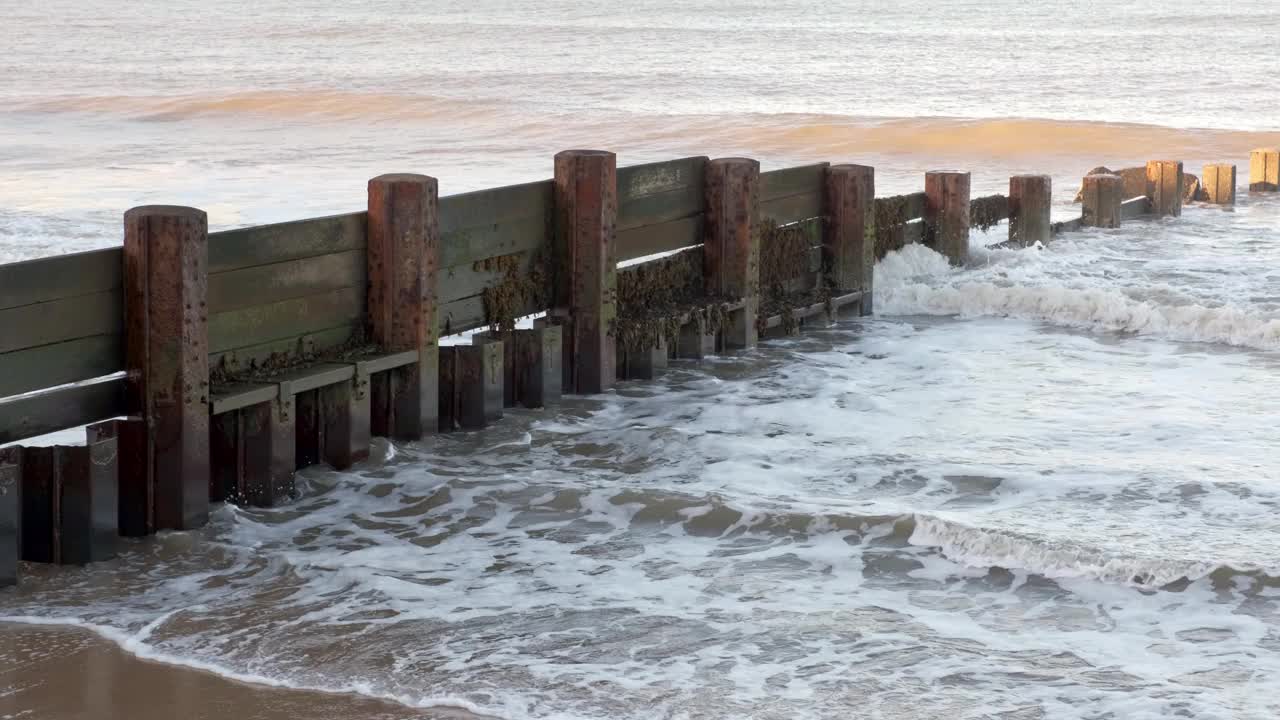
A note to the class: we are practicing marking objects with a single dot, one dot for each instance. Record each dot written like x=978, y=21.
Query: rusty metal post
x=946, y=214
x=403, y=257
x=731, y=250
x=585, y=277
x=10, y=514
x=1101, y=198
x=1164, y=187
x=849, y=240
x=1219, y=184
x=1264, y=170
x=166, y=284
x=1030, y=198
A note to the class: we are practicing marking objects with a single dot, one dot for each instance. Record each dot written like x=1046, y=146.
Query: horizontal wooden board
x=295, y=347
x=470, y=245
x=61, y=276
x=464, y=281
x=490, y=207
x=915, y=204
x=263, y=244
x=264, y=284
x=65, y=362
x=61, y=409
x=663, y=237
x=55, y=321
x=792, y=208
x=468, y=314
x=800, y=180
x=287, y=318
x=1072, y=225
x=1134, y=208
x=660, y=192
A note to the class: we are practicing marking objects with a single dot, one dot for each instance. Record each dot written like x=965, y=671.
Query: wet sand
x=66, y=673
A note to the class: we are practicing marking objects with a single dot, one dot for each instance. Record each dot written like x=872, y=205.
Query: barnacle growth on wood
x=515, y=291
x=891, y=216
x=655, y=298
x=787, y=281
x=987, y=212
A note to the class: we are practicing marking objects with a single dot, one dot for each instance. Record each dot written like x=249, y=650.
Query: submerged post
x=1219, y=184
x=1164, y=187
x=1029, y=199
x=731, y=251
x=849, y=241
x=585, y=278
x=947, y=213
x=1264, y=170
x=1101, y=197
x=403, y=255
x=165, y=469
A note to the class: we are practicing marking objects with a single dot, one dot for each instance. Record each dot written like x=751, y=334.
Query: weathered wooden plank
x=61, y=276
x=55, y=321
x=293, y=347
x=653, y=209
x=496, y=206
x=265, y=284
x=460, y=316
x=793, y=208
x=658, y=178
x=60, y=409
x=263, y=244
x=800, y=180
x=1134, y=208
x=913, y=205
x=466, y=246
x=663, y=237
x=660, y=192
x=1066, y=226
x=461, y=281
x=50, y=365
x=287, y=318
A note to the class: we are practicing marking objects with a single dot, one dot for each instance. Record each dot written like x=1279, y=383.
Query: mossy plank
x=793, y=208
x=663, y=237
x=473, y=244
x=61, y=276
x=46, y=366
x=465, y=314
x=61, y=409
x=278, y=242
x=463, y=281
x=799, y=180
x=55, y=321
x=287, y=318
x=265, y=284
x=293, y=348
x=493, y=207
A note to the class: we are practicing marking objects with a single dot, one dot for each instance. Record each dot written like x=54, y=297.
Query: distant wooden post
x=849, y=252
x=1264, y=170
x=10, y=514
x=1219, y=184
x=1030, y=197
x=947, y=213
x=167, y=360
x=1164, y=187
x=1101, y=197
x=731, y=251
x=585, y=281
x=403, y=257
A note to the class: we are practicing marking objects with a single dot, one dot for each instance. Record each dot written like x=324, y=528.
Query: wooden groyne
x=209, y=367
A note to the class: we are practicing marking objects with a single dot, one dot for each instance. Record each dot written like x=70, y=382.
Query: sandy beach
x=71, y=674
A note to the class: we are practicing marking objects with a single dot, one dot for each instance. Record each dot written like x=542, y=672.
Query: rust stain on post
x=731, y=250
x=167, y=360
x=1030, y=197
x=947, y=214
x=403, y=259
x=584, y=289
x=849, y=241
